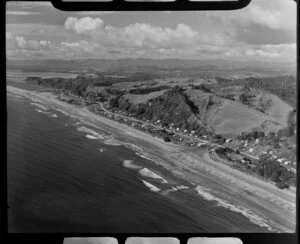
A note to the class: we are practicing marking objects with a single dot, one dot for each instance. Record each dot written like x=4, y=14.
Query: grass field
x=143, y=98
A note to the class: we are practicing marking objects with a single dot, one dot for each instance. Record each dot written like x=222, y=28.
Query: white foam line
x=40, y=111
x=203, y=192
x=129, y=164
x=92, y=134
x=150, y=186
x=148, y=173
x=91, y=137
x=39, y=105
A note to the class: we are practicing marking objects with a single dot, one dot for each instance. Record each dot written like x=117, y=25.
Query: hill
x=128, y=65
x=228, y=117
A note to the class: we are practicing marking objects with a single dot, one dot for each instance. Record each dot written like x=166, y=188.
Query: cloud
x=14, y=42
x=259, y=31
x=275, y=15
x=83, y=25
x=21, y=13
x=142, y=34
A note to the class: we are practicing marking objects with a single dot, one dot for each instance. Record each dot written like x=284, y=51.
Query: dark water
x=62, y=180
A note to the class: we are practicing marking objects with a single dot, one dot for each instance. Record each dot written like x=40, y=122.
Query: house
x=250, y=149
x=280, y=160
x=177, y=129
x=185, y=131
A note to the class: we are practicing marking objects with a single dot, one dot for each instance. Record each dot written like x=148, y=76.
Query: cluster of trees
x=282, y=86
x=147, y=90
x=203, y=87
x=174, y=106
x=251, y=135
x=115, y=92
x=267, y=168
x=104, y=83
x=270, y=169
x=76, y=86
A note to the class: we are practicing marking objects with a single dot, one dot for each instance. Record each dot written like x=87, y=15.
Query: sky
x=264, y=30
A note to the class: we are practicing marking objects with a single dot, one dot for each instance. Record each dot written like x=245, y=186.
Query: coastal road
x=175, y=132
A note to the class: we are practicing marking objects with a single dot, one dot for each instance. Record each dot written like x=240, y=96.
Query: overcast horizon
x=259, y=32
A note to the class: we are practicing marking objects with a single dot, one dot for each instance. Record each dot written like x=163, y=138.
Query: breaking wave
x=151, y=187
x=40, y=111
x=148, y=173
x=203, y=192
x=92, y=134
x=39, y=106
x=91, y=137
x=129, y=164
x=112, y=142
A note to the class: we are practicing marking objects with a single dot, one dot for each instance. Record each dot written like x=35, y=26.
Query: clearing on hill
x=230, y=118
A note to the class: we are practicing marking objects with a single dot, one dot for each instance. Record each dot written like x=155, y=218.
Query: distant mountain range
x=150, y=64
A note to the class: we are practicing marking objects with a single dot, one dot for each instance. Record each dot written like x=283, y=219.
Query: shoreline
x=279, y=204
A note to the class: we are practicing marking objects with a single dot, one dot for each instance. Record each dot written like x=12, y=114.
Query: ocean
x=63, y=177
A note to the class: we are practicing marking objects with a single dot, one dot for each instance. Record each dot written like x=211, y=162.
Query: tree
x=167, y=139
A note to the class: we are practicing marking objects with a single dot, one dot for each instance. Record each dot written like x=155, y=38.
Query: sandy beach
x=260, y=201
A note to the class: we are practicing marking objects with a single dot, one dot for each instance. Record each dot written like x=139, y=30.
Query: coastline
x=279, y=204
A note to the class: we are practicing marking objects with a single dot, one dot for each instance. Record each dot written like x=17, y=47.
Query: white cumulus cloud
x=83, y=25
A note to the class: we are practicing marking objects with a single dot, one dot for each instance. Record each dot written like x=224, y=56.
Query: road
x=172, y=131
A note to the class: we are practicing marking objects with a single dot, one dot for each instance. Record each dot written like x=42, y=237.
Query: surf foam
x=129, y=164
x=150, y=186
x=203, y=192
x=39, y=106
x=148, y=173
x=40, y=111
x=91, y=133
x=91, y=137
